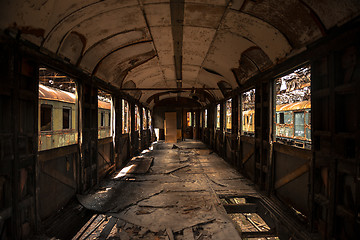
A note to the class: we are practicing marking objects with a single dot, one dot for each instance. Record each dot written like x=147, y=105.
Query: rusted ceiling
x=172, y=43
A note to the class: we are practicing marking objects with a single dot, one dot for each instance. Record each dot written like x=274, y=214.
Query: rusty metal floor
x=178, y=198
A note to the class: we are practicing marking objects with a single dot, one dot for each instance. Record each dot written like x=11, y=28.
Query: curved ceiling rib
x=92, y=59
x=79, y=18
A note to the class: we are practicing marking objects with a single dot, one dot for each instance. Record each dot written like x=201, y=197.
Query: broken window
x=228, y=114
x=188, y=119
x=46, y=116
x=137, y=118
x=248, y=113
x=218, y=116
x=144, y=119
x=293, y=108
x=205, y=118
x=104, y=114
x=125, y=116
x=58, y=110
x=66, y=118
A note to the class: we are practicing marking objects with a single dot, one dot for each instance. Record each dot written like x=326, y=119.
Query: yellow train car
x=58, y=114
x=293, y=124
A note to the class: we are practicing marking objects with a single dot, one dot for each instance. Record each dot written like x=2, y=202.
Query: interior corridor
x=171, y=191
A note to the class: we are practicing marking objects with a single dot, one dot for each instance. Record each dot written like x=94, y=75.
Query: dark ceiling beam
x=167, y=89
x=177, y=22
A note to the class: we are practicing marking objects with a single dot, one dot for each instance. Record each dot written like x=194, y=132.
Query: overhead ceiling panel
x=225, y=54
x=203, y=15
x=268, y=38
x=163, y=42
x=97, y=28
x=73, y=19
x=334, y=12
x=110, y=67
x=196, y=44
x=158, y=14
x=290, y=17
x=93, y=55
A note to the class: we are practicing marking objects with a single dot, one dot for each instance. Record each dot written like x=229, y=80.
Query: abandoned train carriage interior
x=172, y=119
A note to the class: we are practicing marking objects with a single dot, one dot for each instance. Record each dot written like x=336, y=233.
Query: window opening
x=206, y=118
x=194, y=123
x=149, y=118
x=248, y=112
x=218, y=116
x=137, y=118
x=293, y=108
x=57, y=110
x=66, y=118
x=228, y=114
x=125, y=116
x=46, y=117
x=104, y=114
x=144, y=119
x=188, y=119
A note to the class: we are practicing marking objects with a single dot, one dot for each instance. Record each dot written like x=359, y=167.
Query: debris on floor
x=167, y=193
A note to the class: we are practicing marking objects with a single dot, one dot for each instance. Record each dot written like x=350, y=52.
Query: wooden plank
x=105, y=140
x=103, y=155
x=57, y=152
x=188, y=234
x=292, y=151
x=292, y=176
x=248, y=156
x=107, y=229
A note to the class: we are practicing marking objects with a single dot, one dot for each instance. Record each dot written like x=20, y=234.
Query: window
x=299, y=125
x=149, y=118
x=137, y=118
x=125, y=116
x=281, y=118
x=188, y=119
x=228, y=114
x=218, y=116
x=58, y=109
x=144, y=119
x=102, y=119
x=194, y=119
x=293, y=108
x=248, y=112
x=104, y=114
x=205, y=118
x=66, y=118
x=46, y=117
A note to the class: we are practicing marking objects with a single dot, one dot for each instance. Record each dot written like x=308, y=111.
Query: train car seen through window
x=188, y=119
x=125, y=116
x=218, y=116
x=293, y=108
x=248, y=113
x=228, y=114
x=57, y=110
x=205, y=118
x=104, y=114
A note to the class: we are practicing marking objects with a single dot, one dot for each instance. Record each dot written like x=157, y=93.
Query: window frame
x=69, y=118
x=50, y=106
